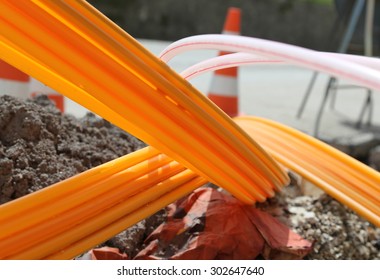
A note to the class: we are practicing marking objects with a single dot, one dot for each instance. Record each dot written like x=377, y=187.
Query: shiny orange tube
x=68, y=208
x=344, y=178
x=287, y=149
x=115, y=69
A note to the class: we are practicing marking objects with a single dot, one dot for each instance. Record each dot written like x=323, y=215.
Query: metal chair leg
x=307, y=94
x=370, y=110
x=368, y=104
x=321, y=108
x=333, y=93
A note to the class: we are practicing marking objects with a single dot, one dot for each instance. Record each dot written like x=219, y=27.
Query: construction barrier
x=224, y=84
x=13, y=82
x=16, y=83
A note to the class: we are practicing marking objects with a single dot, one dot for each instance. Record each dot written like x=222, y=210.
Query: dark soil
x=39, y=146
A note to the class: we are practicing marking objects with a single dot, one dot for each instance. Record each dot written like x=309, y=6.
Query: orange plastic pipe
x=252, y=173
x=224, y=154
x=75, y=218
x=344, y=178
x=112, y=229
x=96, y=197
x=292, y=156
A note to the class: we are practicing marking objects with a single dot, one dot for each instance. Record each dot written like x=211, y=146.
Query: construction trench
x=53, y=146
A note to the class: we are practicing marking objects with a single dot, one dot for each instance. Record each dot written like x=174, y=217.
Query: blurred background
x=315, y=24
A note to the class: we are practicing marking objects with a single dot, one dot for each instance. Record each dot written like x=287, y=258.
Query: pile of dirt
x=39, y=146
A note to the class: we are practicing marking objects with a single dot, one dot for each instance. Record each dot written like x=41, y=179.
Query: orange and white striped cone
x=13, y=82
x=36, y=88
x=224, y=85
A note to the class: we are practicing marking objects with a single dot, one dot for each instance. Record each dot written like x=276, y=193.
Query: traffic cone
x=13, y=82
x=224, y=85
x=37, y=88
x=16, y=83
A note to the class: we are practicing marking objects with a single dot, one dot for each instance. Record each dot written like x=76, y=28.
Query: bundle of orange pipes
x=65, y=219
x=341, y=176
x=72, y=48
x=74, y=215
x=68, y=45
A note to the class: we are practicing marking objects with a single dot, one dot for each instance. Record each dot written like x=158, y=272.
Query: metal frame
x=332, y=86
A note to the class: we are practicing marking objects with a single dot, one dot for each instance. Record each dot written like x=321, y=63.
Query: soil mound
x=40, y=146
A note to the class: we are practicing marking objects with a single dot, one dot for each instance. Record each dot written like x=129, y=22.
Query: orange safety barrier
x=13, y=81
x=224, y=83
x=18, y=84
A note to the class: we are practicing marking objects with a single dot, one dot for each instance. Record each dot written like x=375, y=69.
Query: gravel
x=336, y=231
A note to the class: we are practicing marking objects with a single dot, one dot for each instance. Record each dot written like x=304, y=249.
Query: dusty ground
x=39, y=146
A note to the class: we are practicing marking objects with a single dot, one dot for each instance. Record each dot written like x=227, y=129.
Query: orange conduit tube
x=64, y=220
x=152, y=169
x=94, y=205
x=177, y=122
x=28, y=208
x=116, y=32
x=341, y=176
x=162, y=103
x=88, y=242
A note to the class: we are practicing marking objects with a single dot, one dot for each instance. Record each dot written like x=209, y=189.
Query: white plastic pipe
x=225, y=61
x=241, y=59
x=343, y=66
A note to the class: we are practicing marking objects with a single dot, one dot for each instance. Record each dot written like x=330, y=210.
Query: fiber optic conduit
x=72, y=48
x=72, y=216
x=139, y=184
x=64, y=46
